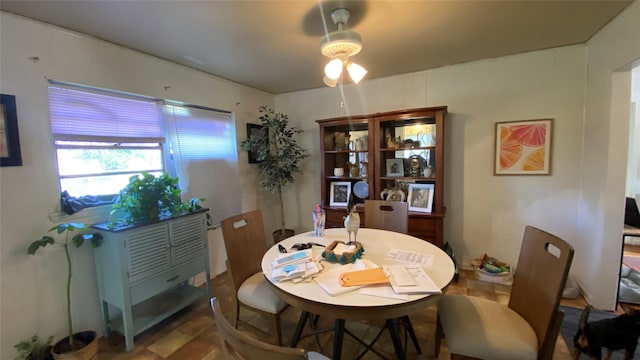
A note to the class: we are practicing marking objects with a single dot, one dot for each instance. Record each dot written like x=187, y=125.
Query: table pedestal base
x=339, y=330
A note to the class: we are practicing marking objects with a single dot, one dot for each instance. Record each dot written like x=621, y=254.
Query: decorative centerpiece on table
x=338, y=251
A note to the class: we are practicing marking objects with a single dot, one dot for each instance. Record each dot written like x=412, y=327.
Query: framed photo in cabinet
x=339, y=194
x=420, y=197
x=523, y=147
x=395, y=167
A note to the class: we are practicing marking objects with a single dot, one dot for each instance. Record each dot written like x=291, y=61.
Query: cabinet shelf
x=408, y=178
x=345, y=151
x=380, y=140
x=408, y=149
x=152, y=311
x=346, y=178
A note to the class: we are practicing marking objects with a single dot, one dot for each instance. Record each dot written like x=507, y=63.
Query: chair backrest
x=245, y=244
x=243, y=346
x=386, y=215
x=538, y=283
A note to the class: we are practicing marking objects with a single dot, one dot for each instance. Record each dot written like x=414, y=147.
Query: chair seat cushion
x=256, y=293
x=485, y=329
x=312, y=355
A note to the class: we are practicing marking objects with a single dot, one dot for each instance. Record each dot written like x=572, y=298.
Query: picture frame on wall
x=523, y=147
x=254, y=130
x=9, y=136
x=420, y=197
x=395, y=167
x=339, y=193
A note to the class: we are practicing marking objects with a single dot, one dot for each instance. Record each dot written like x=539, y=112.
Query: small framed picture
x=340, y=191
x=9, y=137
x=255, y=130
x=420, y=197
x=523, y=147
x=395, y=167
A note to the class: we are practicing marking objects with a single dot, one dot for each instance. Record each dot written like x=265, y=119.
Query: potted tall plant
x=278, y=155
x=81, y=345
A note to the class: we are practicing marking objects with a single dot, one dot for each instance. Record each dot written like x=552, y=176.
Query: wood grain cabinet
x=144, y=272
x=389, y=151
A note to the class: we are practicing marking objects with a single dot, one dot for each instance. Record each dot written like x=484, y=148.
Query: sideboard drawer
x=165, y=280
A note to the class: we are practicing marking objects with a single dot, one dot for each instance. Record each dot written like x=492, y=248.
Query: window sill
x=90, y=215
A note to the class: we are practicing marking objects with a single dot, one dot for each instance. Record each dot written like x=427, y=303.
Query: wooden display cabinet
x=389, y=151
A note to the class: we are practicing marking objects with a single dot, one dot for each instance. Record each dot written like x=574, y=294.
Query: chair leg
x=439, y=336
x=276, y=323
x=236, y=314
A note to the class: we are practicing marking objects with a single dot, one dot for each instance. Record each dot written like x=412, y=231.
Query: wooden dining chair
x=392, y=216
x=386, y=215
x=526, y=328
x=239, y=345
x=245, y=245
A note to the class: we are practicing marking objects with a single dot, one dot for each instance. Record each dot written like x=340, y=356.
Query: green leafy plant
x=74, y=235
x=146, y=197
x=278, y=154
x=34, y=348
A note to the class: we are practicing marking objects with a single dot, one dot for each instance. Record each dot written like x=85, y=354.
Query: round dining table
x=311, y=298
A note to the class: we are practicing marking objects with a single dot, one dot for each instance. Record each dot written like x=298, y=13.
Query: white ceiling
x=273, y=45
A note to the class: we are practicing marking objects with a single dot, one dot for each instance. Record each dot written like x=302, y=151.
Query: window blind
x=81, y=114
x=203, y=150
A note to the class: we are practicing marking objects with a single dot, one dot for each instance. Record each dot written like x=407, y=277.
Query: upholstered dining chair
x=386, y=215
x=526, y=328
x=245, y=244
x=239, y=345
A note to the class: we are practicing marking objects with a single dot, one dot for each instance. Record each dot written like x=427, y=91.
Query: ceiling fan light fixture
x=330, y=82
x=333, y=69
x=356, y=72
x=344, y=42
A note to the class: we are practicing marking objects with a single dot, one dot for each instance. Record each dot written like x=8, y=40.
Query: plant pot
x=62, y=350
x=278, y=235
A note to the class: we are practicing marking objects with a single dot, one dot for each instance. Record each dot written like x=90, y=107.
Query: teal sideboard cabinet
x=144, y=272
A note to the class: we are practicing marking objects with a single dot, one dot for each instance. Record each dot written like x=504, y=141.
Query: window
x=102, y=138
x=204, y=156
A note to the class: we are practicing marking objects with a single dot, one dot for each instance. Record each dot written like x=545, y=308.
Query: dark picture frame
x=339, y=194
x=254, y=130
x=9, y=135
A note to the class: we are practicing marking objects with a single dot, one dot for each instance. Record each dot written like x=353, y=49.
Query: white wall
x=32, y=287
x=633, y=161
x=601, y=210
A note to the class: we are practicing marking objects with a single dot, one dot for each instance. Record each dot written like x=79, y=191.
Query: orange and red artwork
x=523, y=147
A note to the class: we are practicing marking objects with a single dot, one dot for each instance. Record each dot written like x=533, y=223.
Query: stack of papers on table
x=329, y=280
x=291, y=266
x=410, y=279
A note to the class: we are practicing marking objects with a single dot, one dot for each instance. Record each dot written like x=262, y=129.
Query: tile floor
x=191, y=334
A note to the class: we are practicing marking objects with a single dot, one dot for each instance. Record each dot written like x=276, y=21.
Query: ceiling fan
x=340, y=46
